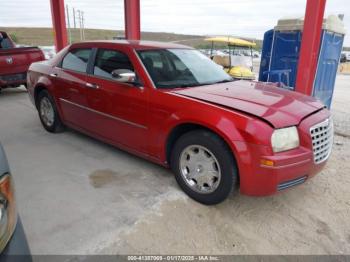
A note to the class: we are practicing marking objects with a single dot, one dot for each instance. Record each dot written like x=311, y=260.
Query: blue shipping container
x=266, y=55
x=280, y=64
x=285, y=56
x=332, y=44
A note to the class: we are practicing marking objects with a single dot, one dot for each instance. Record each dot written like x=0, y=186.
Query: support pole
x=75, y=25
x=83, y=24
x=310, y=46
x=132, y=19
x=59, y=24
x=80, y=25
x=68, y=22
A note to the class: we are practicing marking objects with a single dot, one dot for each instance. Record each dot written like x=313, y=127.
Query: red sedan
x=172, y=105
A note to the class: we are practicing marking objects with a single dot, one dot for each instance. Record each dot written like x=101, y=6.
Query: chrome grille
x=291, y=183
x=322, y=140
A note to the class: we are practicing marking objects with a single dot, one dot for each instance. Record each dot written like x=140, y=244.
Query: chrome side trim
x=104, y=114
x=291, y=183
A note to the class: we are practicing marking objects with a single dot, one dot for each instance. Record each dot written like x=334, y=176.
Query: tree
x=14, y=37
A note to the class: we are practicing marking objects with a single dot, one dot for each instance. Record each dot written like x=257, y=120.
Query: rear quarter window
x=77, y=60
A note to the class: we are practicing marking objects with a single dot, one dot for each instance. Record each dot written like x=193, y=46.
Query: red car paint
x=141, y=120
x=15, y=61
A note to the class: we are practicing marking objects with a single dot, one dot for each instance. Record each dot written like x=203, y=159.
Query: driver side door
x=118, y=111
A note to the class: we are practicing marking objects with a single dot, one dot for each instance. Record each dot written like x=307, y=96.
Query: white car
x=49, y=51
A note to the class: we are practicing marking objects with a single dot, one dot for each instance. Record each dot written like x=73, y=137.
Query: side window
x=5, y=43
x=109, y=60
x=77, y=60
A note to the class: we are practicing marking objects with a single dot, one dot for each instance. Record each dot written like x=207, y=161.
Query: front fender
x=234, y=128
x=219, y=124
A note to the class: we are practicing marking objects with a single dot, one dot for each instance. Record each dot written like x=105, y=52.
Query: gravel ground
x=310, y=219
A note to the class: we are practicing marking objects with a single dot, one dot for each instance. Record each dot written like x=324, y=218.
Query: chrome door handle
x=53, y=75
x=92, y=86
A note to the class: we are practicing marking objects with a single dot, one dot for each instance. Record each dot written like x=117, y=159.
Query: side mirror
x=124, y=76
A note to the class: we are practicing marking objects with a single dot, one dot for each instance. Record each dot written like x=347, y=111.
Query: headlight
x=8, y=214
x=285, y=139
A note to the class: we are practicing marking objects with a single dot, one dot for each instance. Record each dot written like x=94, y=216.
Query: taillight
x=8, y=213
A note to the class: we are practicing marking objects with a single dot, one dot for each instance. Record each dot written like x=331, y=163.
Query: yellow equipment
x=239, y=60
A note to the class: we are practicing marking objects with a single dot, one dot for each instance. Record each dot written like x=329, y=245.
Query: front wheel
x=204, y=167
x=48, y=114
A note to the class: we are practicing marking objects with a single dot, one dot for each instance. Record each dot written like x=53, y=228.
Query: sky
x=246, y=18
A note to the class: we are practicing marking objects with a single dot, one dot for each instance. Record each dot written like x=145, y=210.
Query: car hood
x=280, y=107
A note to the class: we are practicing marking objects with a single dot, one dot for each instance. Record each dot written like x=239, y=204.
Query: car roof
x=135, y=44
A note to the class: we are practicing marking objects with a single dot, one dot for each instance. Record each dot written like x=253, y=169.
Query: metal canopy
x=309, y=47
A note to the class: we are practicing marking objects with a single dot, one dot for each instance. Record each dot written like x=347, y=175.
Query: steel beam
x=310, y=46
x=132, y=19
x=59, y=24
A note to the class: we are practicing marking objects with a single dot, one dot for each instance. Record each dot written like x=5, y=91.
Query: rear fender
x=45, y=83
x=42, y=83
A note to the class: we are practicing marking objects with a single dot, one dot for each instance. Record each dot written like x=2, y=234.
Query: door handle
x=53, y=75
x=92, y=86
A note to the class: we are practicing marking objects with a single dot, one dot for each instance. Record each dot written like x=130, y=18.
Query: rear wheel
x=204, y=167
x=48, y=114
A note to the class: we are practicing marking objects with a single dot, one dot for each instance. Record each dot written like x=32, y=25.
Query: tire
x=198, y=153
x=53, y=123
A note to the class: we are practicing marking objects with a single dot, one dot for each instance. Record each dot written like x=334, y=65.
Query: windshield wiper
x=189, y=85
x=224, y=81
x=206, y=84
x=218, y=82
x=196, y=84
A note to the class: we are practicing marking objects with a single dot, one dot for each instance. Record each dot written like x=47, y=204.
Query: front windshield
x=171, y=68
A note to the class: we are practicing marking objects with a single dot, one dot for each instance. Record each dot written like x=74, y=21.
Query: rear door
x=70, y=85
x=119, y=110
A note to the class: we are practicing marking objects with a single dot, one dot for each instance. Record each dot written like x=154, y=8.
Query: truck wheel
x=48, y=114
x=204, y=167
